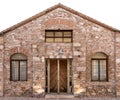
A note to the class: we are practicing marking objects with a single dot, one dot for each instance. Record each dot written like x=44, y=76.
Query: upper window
x=18, y=67
x=58, y=36
x=99, y=67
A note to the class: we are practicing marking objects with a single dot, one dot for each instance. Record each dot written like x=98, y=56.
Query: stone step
x=61, y=96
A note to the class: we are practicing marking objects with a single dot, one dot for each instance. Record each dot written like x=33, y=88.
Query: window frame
x=61, y=37
x=11, y=67
x=99, y=59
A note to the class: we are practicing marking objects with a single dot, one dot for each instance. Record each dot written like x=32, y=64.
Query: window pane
x=58, y=39
x=102, y=69
x=58, y=34
x=67, y=40
x=49, y=34
x=22, y=70
x=15, y=66
x=67, y=34
x=94, y=69
x=49, y=39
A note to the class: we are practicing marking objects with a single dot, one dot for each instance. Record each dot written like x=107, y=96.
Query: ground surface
x=27, y=98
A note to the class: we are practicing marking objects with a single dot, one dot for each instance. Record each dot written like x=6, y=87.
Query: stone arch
x=99, y=55
x=19, y=50
x=18, y=56
x=58, y=23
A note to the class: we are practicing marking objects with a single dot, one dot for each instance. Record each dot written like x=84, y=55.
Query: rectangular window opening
x=58, y=36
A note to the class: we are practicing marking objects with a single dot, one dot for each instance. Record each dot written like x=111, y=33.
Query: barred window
x=18, y=67
x=58, y=36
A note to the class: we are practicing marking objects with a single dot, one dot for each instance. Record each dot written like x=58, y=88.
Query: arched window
x=18, y=67
x=99, y=67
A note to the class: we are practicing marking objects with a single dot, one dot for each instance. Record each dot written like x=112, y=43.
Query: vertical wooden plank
x=63, y=75
x=58, y=65
x=48, y=69
x=71, y=75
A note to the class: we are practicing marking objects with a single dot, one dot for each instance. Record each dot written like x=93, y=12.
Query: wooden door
x=58, y=76
x=53, y=76
x=63, y=75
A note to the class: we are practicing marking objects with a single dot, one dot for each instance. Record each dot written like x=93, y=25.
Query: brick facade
x=89, y=37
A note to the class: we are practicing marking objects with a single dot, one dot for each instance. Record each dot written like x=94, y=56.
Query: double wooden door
x=58, y=76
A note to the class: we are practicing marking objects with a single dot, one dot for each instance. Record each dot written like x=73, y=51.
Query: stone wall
x=1, y=64
x=88, y=38
x=100, y=40
x=17, y=41
x=117, y=54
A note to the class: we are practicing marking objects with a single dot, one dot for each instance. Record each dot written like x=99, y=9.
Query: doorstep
x=55, y=95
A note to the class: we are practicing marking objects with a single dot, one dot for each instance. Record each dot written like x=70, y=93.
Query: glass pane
x=67, y=34
x=94, y=69
x=49, y=34
x=58, y=39
x=22, y=70
x=67, y=40
x=19, y=56
x=58, y=34
x=49, y=39
x=15, y=66
x=102, y=69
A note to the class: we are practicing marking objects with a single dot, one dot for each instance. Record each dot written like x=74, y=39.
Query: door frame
x=69, y=75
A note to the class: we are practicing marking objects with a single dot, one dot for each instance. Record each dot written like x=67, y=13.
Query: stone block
x=1, y=90
x=76, y=44
x=82, y=69
x=1, y=69
x=1, y=64
x=1, y=40
x=1, y=47
x=76, y=75
x=36, y=59
x=117, y=60
x=51, y=56
x=42, y=59
x=34, y=46
x=118, y=93
x=63, y=56
x=76, y=53
x=70, y=57
x=79, y=90
x=118, y=39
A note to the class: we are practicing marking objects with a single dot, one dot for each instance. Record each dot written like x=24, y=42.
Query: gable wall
x=88, y=38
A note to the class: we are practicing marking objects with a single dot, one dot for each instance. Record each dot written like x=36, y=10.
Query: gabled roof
x=53, y=8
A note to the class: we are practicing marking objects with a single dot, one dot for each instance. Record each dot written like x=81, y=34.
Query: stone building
x=62, y=52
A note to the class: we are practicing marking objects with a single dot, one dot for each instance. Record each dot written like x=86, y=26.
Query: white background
x=15, y=11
